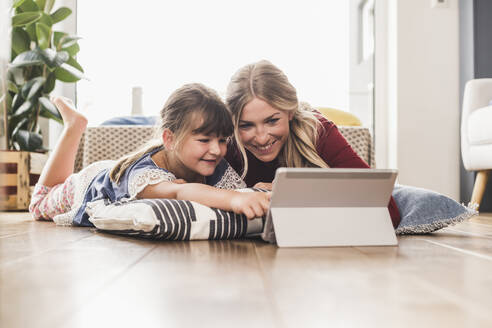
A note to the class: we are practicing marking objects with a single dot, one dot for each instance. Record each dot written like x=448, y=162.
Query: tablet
x=332, y=207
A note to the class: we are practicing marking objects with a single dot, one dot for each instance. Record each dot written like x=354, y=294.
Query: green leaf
x=67, y=73
x=60, y=14
x=50, y=83
x=27, y=58
x=32, y=87
x=43, y=33
x=69, y=41
x=41, y=4
x=47, y=55
x=72, y=62
x=57, y=37
x=16, y=75
x=20, y=40
x=48, y=6
x=18, y=126
x=52, y=58
x=12, y=87
x=17, y=102
x=29, y=141
x=17, y=3
x=25, y=18
x=29, y=6
x=46, y=20
x=49, y=110
x=63, y=40
x=24, y=108
x=72, y=50
x=31, y=30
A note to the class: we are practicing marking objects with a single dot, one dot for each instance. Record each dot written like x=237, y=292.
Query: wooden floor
x=76, y=277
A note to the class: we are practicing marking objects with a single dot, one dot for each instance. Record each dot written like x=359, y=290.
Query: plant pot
x=19, y=172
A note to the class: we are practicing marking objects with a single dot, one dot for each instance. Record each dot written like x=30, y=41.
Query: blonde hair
x=265, y=81
x=184, y=108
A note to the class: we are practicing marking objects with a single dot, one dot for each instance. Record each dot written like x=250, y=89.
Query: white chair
x=476, y=134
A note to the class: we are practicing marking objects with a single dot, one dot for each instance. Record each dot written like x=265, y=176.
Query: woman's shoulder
x=326, y=128
x=324, y=123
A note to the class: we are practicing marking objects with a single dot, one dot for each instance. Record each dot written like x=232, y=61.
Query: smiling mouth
x=265, y=149
x=211, y=161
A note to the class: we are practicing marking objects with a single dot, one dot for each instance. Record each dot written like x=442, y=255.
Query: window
x=160, y=46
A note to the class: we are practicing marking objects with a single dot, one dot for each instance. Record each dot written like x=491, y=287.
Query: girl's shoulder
x=146, y=172
x=146, y=160
x=146, y=164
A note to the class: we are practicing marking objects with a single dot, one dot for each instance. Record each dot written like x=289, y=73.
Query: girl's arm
x=251, y=204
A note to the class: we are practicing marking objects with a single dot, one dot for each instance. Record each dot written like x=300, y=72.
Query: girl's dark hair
x=191, y=105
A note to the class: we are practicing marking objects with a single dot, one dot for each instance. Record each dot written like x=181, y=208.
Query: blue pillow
x=131, y=120
x=424, y=211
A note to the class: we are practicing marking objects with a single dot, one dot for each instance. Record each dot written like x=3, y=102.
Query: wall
x=466, y=73
x=420, y=94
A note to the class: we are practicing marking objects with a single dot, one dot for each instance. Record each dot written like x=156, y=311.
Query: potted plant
x=40, y=56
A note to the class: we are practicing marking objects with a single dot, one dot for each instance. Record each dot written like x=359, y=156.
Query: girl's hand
x=251, y=204
x=263, y=185
x=179, y=181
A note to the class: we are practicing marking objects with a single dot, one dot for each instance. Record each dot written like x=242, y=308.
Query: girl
x=185, y=163
x=271, y=129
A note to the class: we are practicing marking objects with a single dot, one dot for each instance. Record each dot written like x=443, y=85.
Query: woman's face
x=263, y=129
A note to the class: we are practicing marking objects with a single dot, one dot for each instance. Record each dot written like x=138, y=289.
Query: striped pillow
x=170, y=219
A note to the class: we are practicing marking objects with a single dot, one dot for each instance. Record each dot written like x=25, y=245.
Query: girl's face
x=202, y=153
x=263, y=129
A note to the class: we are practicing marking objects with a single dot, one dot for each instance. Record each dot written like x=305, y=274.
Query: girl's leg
x=62, y=160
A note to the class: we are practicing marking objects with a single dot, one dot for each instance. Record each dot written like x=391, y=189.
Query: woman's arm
x=251, y=204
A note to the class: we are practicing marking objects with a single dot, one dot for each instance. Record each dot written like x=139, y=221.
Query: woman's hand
x=251, y=204
x=263, y=185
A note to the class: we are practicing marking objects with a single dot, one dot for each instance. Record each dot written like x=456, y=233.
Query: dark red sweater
x=331, y=146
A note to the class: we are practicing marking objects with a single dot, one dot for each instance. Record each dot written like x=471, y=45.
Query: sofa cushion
x=479, y=126
x=340, y=117
x=131, y=120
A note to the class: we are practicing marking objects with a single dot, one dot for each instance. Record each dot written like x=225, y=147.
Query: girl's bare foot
x=72, y=119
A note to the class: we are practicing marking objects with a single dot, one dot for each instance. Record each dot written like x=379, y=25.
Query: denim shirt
x=136, y=177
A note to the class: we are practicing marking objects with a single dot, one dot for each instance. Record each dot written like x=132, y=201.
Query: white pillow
x=170, y=219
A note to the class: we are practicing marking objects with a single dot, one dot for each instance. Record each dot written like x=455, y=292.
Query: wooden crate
x=19, y=172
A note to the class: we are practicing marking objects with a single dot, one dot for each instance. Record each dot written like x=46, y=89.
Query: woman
x=272, y=130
